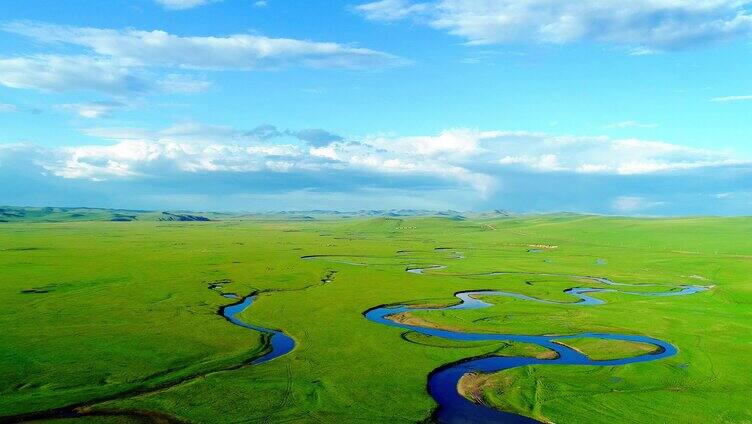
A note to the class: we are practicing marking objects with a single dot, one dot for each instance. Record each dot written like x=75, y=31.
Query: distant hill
x=50, y=214
x=47, y=214
x=167, y=216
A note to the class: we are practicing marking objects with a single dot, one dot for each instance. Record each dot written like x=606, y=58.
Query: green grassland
x=119, y=316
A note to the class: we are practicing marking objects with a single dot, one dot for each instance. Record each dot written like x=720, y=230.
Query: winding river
x=443, y=382
x=280, y=343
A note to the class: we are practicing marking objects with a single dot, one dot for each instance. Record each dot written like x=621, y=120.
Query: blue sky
x=623, y=107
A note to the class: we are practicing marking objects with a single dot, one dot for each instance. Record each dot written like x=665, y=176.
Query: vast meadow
x=104, y=322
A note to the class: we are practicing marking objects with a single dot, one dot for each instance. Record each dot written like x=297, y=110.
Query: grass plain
x=118, y=316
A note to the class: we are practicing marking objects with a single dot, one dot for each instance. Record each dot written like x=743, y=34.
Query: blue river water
x=281, y=343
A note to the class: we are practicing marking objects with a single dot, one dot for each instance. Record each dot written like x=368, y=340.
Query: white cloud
x=727, y=99
x=61, y=73
x=6, y=107
x=645, y=25
x=183, y=4
x=193, y=148
x=93, y=110
x=233, y=52
x=132, y=61
x=545, y=162
x=391, y=10
x=456, y=142
x=260, y=3
x=408, y=156
x=187, y=147
x=547, y=153
x=642, y=51
x=184, y=132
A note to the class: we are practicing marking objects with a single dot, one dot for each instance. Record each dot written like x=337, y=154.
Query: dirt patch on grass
x=472, y=384
x=548, y=354
x=409, y=319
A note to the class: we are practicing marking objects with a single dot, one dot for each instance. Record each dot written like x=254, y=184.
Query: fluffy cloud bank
x=459, y=168
x=643, y=24
x=118, y=61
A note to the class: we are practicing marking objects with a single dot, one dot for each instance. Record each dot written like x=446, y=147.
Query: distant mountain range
x=63, y=214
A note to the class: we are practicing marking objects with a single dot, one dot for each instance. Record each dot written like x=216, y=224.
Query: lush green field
x=119, y=316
